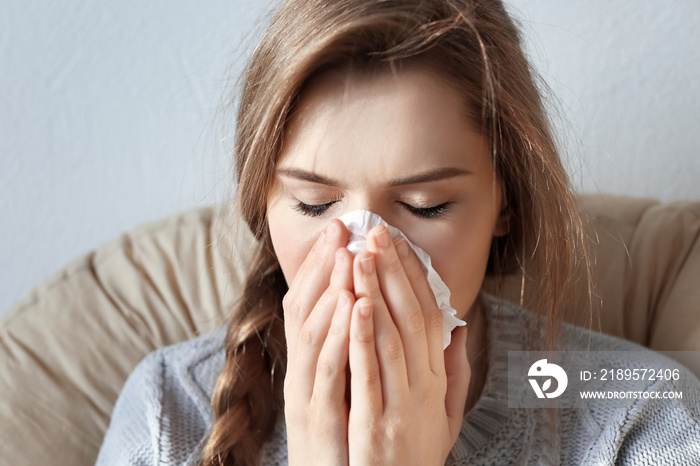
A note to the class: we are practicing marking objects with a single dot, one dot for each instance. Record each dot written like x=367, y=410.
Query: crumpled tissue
x=360, y=222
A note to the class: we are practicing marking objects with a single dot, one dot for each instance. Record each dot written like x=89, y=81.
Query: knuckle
x=336, y=330
x=393, y=348
x=415, y=320
x=326, y=369
x=392, y=264
x=374, y=293
x=371, y=377
x=434, y=318
x=415, y=274
x=365, y=336
x=307, y=336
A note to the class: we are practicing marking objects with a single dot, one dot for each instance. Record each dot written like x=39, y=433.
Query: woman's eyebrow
x=304, y=175
x=431, y=175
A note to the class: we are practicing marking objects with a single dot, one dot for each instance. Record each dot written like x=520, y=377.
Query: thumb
x=458, y=374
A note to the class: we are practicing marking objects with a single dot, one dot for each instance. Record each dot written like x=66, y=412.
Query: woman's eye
x=313, y=210
x=316, y=210
x=428, y=212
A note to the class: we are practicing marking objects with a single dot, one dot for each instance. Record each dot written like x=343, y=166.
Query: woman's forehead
x=398, y=123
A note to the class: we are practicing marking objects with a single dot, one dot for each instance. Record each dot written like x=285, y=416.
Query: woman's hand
x=317, y=312
x=407, y=395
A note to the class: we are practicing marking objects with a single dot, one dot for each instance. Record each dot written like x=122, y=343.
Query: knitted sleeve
x=132, y=437
x=665, y=431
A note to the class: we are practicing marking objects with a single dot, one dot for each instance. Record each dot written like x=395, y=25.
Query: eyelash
x=312, y=210
x=428, y=212
x=420, y=212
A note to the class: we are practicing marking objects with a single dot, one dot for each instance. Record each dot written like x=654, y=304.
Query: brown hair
x=476, y=46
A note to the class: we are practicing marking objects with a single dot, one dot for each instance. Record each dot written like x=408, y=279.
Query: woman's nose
x=376, y=206
x=363, y=202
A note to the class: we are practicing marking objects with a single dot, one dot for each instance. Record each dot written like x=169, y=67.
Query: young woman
x=425, y=113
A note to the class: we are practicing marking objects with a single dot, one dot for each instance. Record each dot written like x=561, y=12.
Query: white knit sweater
x=163, y=413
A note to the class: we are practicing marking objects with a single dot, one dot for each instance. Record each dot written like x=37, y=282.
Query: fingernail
x=365, y=309
x=401, y=247
x=383, y=238
x=367, y=264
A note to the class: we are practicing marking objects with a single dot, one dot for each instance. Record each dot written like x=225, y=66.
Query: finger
x=365, y=375
x=390, y=351
x=303, y=354
x=413, y=268
x=401, y=302
x=311, y=280
x=329, y=383
x=458, y=372
x=343, y=280
x=318, y=322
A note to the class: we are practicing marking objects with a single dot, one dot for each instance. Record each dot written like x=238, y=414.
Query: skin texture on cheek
x=460, y=254
x=462, y=263
x=292, y=237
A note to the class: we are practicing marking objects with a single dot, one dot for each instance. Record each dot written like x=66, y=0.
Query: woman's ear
x=502, y=225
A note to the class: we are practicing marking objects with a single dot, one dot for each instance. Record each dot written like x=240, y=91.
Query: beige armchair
x=67, y=348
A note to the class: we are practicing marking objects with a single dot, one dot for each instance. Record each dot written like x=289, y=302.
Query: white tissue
x=360, y=222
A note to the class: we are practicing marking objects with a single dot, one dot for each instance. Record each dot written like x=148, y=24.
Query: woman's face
x=399, y=145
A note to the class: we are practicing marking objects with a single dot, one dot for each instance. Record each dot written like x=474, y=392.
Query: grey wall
x=109, y=110
x=626, y=74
